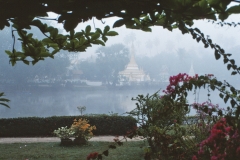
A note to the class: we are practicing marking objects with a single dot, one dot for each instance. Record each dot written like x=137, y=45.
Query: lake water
x=46, y=103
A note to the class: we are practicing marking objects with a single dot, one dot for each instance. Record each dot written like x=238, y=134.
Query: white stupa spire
x=191, y=71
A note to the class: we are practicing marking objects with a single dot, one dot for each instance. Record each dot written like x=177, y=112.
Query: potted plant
x=65, y=134
x=82, y=130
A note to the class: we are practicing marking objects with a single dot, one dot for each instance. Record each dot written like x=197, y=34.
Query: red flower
x=93, y=155
x=175, y=80
x=194, y=158
x=238, y=151
x=214, y=158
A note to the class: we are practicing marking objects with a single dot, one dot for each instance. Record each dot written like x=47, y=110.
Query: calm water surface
x=57, y=103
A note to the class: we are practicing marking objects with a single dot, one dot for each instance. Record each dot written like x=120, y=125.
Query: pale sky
x=167, y=41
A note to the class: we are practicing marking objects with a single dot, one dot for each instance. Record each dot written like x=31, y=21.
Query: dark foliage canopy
x=134, y=14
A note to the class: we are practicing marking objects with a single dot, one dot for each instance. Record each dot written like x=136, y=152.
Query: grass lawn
x=45, y=151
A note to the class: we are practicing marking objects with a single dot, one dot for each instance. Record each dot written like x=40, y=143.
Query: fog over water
x=52, y=103
x=98, y=101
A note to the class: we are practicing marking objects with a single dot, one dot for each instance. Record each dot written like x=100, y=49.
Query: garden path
x=55, y=139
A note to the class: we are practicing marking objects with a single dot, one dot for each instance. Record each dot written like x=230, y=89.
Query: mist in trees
x=21, y=73
x=181, y=62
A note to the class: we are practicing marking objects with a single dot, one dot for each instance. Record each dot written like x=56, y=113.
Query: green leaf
x=95, y=36
x=54, y=33
x=29, y=35
x=112, y=146
x=99, y=30
x=12, y=61
x=232, y=103
x=104, y=38
x=226, y=98
x=105, y=153
x=217, y=55
x=198, y=39
x=4, y=104
x=88, y=29
x=53, y=45
x=70, y=24
x=225, y=60
x=205, y=109
x=214, y=2
x=203, y=4
x=72, y=32
x=98, y=42
x=26, y=62
x=99, y=157
x=220, y=113
x=237, y=112
x=232, y=61
x=223, y=16
x=212, y=87
x=34, y=62
x=9, y=53
x=119, y=23
x=232, y=89
x=106, y=29
x=53, y=52
x=49, y=29
x=229, y=66
x=61, y=18
x=111, y=33
x=221, y=95
x=234, y=9
x=146, y=29
x=47, y=41
x=82, y=40
x=78, y=35
x=137, y=21
x=234, y=73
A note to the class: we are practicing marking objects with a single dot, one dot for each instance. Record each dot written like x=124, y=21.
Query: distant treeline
x=77, y=86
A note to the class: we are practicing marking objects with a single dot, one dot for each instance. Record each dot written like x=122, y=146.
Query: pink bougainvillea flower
x=194, y=157
x=175, y=80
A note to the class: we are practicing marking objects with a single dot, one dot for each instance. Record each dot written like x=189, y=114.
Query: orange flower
x=82, y=128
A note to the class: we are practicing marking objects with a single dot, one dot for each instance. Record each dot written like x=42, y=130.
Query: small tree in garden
x=158, y=121
x=81, y=109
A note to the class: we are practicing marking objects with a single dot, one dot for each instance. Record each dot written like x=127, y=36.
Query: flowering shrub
x=175, y=80
x=160, y=122
x=201, y=128
x=64, y=133
x=160, y=118
x=223, y=143
x=82, y=129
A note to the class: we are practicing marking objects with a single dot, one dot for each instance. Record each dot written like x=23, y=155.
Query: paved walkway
x=55, y=139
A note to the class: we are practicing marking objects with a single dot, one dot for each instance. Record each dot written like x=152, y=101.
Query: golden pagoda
x=132, y=73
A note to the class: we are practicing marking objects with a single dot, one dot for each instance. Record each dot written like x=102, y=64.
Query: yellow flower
x=82, y=128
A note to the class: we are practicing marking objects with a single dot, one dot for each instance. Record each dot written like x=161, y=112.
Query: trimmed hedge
x=44, y=127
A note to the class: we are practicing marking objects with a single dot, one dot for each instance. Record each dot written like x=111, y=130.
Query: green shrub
x=44, y=127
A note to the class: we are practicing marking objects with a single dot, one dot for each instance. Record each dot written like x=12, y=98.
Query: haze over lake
x=51, y=103
x=47, y=103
